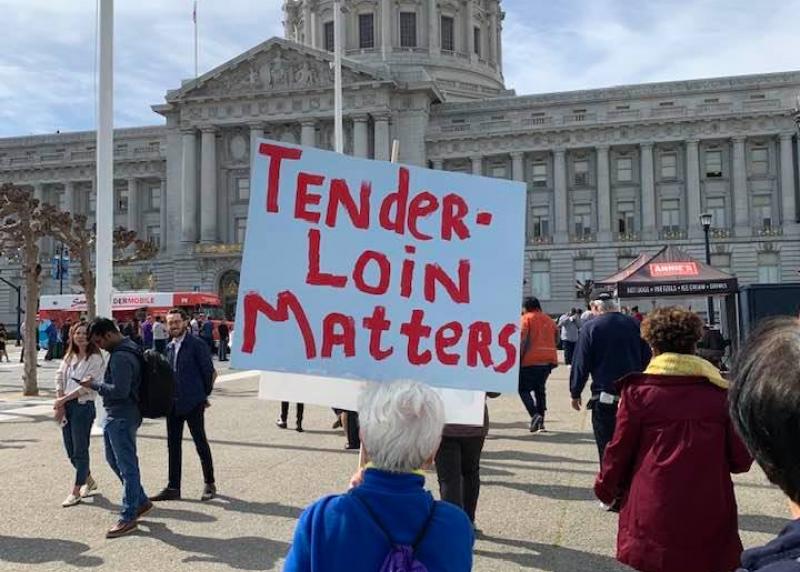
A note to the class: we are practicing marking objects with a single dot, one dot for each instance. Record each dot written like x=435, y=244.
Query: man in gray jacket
x=568, y=325
x=119, y=390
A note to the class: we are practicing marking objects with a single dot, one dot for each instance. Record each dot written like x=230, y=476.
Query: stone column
x=70, y=203
x=499, y=44
x=648, y=192
x=603, y=194
x=133, y=205
x=741, y=204
x=477, y=164
x=437, y=164
x=38, y=192
x=788, y=203
x=208, y=185
x=162, y=215
x=434, y=41
x=382, y=143
x=360, y=136
x=693, y=200
x=307, y=23
x=308, y=133
x=313, y=42
x=469, y=36
x=386, y=28
x=518, y=166
x=256, y=132
x=189, y=199
x=560, y=191
x=493, y=35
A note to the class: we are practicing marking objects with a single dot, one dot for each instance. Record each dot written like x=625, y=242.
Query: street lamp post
x=705, y=221
x=18, y=289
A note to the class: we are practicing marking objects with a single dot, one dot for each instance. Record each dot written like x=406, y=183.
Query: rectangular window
x=408, y=29
x=626, y=217
x=154, y=199
x=153, y=235
x=448, y=29
x=92, y=201
x=762, y=211
x=759, y=159
x=624, y=169
x=539, y=174
x=242, y=189
x=669, y=166
x=713, y=164
x=722, y=262
x=62, y=201
x=769, y=268
x=366, y=31
x=540, y=279
x=328, y=36
x=581, y=173
x=122, y=200
x=476, y=40
x=498, y=171
x=583, y=220
x=541, y=221
x=584, y=270
x=716, y=207
x=239, y=227
x=671, y=215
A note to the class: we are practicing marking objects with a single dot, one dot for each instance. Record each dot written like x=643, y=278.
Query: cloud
x=47, y=74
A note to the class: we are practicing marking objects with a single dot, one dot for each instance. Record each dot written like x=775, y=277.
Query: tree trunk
x=29, y=381
x=87, y=277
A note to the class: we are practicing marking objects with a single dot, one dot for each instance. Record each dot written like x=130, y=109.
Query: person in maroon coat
x=668, y=467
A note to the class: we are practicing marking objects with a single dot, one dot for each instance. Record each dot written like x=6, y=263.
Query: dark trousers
x=604, y=420
x=223, y=349
x=285, y=412
x=458, y=464
x=195, y=419
x=569, y=351
x=160, y=346
x=351, y=429
x=534, y=379
x=76, y=433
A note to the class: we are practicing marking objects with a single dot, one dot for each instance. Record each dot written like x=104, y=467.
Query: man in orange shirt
x=539, y=358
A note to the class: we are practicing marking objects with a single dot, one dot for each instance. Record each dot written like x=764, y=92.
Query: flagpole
x=105, y=160
x=337, y=77
x=196, y=40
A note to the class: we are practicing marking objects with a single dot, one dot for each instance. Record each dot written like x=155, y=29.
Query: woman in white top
x=75, y=406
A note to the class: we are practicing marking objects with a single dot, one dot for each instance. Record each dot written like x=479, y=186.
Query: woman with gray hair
x=388, y=521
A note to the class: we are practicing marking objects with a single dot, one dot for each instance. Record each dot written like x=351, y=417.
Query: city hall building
x=610, y=172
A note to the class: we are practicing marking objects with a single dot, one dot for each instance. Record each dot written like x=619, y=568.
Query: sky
x=47, y=61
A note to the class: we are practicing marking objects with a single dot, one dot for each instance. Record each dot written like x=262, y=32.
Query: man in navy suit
x=194, y=379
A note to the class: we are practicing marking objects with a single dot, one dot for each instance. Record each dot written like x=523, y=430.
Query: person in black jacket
x=765, y=407
x=610, y=346
x=194, y=379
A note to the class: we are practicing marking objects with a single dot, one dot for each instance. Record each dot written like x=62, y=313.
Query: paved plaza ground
x=537, y=510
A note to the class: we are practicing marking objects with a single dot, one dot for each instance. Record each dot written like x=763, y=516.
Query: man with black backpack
x=119, y=390
x=194, y=378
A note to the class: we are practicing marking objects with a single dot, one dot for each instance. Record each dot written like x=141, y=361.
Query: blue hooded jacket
x=780, y=555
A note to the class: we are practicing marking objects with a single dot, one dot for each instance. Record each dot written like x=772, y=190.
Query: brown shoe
x=144, y=509
x=122, y=528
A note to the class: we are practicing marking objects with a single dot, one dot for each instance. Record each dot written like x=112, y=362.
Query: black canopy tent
x=671, y=272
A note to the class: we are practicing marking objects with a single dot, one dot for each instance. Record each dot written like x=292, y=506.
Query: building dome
x=454, y=43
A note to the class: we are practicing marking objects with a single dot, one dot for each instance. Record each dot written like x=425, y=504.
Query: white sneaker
x=71, y=500
x=89, y=487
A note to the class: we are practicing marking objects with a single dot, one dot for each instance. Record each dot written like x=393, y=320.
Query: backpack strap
x=420, y=535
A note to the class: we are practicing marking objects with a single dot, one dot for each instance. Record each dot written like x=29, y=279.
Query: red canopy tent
x=670, y=272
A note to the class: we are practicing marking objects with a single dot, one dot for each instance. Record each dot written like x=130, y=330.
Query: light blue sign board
x=276, y=259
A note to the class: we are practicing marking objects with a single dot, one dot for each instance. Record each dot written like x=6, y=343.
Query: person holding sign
x=539, y=358
x=388, y=521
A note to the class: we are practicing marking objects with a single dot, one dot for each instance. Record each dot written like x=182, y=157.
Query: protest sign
x=373, y=271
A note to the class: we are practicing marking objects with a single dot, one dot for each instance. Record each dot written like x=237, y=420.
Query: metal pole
x=196, y=41
x=105, y=160
x=337, y=78
x=61, y=268
x=710, y=300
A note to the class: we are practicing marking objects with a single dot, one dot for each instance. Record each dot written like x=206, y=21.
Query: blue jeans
x=76, y=433
x=119, y=435
x=533, y=379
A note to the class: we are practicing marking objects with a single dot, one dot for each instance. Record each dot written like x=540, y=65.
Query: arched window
x=229, y=292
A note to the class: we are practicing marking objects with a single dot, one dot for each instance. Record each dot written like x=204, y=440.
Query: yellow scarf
x=683, y=364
